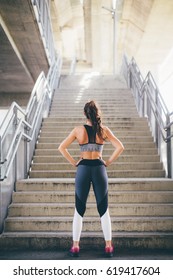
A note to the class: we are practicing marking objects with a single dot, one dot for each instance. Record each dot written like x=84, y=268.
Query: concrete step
x=106, y=119
x=136, y=126
x=119, y=107
x=54, y=138
x=77, y=121
x=114, y=166
x=98, y=92
x=111, y=174
x=120, y=114
x=118, y=133
x=92, y=81
x=75, y=152
x=114, y=197
x=138, y=145
x=111, y=100
x=77, y=114
x=61, y=240
x=88, y=94
x=121, y=129
x=67, y=209
x=142, y=184
x=53, y=240
x=121, y=111
x=105, y=106
x=110, y=118
x=57, y=223
x=129, y=159
x=101, y=96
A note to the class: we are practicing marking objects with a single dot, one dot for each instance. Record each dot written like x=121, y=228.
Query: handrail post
x=25, y=152
x=0, y=156
x=169, y=157
x=143, y=99
x=169, y=160
x=129, y=77
x=156, y=124
x=15, y=159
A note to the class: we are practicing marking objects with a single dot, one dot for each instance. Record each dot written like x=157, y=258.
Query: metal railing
x=19, y=132
x=20, y=123
x=150, y=104
x=41, y=9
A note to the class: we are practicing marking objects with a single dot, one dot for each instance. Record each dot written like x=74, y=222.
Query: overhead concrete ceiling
x=22, y=54
x=84, y=30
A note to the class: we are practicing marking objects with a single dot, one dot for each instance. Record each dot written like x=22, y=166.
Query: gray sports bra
x=91, y=146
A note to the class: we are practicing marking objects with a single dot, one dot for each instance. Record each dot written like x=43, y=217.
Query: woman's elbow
x=60, y=148
x=122, y=148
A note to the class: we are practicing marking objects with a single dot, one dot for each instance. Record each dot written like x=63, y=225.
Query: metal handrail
x=42, y=14
x=25, y=128
x=144, y=84
x=150, y=103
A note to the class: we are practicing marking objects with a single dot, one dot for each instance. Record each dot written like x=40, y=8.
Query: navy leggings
x=91, y=171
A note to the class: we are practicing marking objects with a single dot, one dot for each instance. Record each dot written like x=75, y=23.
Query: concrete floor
x=86, y=255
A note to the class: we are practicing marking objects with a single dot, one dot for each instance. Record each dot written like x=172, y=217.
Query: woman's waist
x=91, y=162
x=91, y=155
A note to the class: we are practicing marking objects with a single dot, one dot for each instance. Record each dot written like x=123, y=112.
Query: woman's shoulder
x=105, y=128
x=107, y=131
x=78, y=128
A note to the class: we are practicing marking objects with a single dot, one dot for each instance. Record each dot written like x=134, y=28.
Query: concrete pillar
x=87, y=30
x=102, y=34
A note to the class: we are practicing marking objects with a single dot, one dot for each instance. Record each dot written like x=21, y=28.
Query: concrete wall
x=157, y=41
x=165, y=80
x=6, y=99
x=145, y=32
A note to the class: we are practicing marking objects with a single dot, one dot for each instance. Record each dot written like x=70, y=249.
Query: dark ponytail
x=93, y=113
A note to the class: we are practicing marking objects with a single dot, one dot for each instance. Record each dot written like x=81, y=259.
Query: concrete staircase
x=140, y=197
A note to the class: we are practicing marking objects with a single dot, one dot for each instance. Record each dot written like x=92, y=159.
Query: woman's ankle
x=108, y=243
x=75, y=243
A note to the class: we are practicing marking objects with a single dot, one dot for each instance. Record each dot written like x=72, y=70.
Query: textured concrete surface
x=88, y=254
x=22, y=55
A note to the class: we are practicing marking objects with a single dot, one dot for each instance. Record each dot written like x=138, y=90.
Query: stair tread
x=89, y=204
x=59, y=192
x=88, y=234
x=65, y=218
x=111, y=180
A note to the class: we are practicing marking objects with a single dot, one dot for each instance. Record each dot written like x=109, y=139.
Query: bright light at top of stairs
x=86, y=80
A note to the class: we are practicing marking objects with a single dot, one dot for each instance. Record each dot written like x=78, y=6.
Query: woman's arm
x=119, y=148
x=64, y=145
